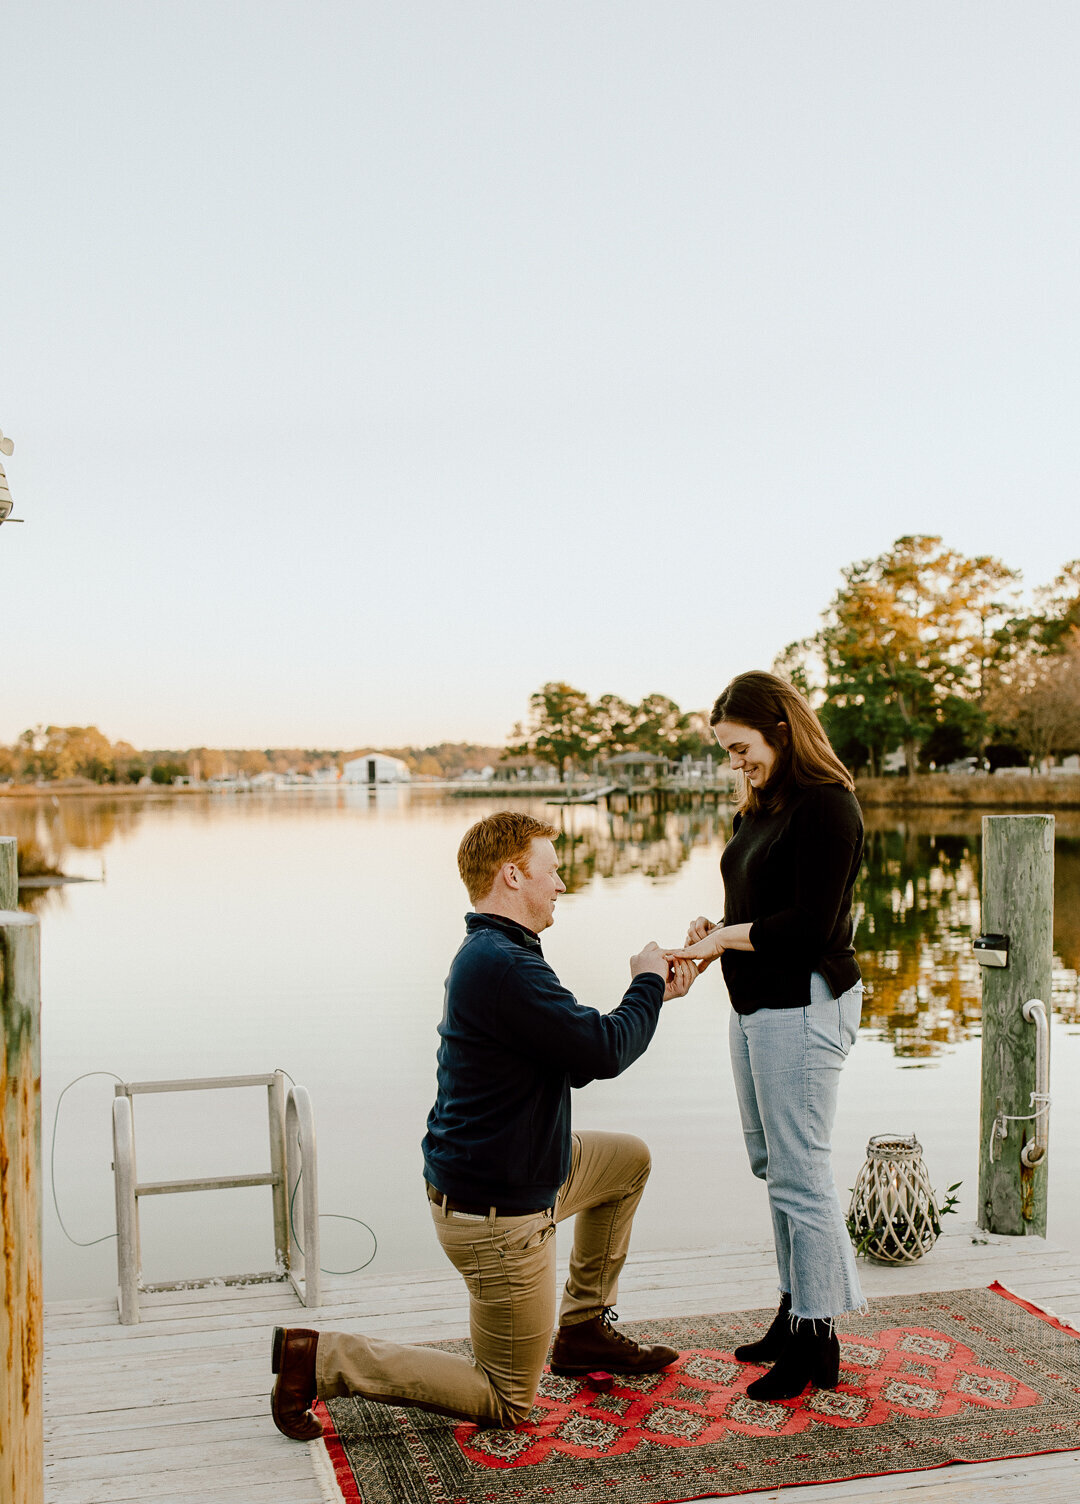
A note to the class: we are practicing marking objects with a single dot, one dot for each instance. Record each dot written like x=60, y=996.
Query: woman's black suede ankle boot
x=768, y=1348
x=811, y=1355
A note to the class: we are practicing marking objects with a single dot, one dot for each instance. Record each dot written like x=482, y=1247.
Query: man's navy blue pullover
x=514, y=1041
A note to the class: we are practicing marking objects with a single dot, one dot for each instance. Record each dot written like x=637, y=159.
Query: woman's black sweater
x=791, y=876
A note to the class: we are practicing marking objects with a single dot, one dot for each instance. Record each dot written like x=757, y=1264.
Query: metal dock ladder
x=292, y=1168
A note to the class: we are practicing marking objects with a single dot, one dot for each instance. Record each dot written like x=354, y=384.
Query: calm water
x=313, y=932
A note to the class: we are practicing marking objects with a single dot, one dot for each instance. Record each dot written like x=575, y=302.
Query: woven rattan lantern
x=894, y=1216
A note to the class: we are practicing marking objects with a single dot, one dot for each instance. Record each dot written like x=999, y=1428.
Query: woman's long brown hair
x=804, y=755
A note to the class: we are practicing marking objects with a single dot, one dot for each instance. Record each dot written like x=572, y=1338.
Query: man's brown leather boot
x=595, y=1344
x=292, y=1358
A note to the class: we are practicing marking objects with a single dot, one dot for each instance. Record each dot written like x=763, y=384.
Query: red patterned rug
x=960, y=1376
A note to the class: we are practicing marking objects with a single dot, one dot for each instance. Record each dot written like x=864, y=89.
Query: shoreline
x=971, y=791
x=926, y=791
x=99, y=790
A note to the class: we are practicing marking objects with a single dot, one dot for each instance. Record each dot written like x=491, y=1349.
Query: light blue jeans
x=787, y=1064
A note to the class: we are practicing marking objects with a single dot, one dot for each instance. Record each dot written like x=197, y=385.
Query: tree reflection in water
x=647, y=839
x=918, y=906
x=918, y=901
x=917, y=896
x=48, y=829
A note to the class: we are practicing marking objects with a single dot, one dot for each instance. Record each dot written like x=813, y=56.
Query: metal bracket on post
x=1033, y=1153
x=1034, y=1011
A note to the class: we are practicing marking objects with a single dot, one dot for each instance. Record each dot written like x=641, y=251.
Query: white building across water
x=375, y=767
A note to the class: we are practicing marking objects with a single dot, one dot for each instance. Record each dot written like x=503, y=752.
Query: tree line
x=57, y=754
x=922, y=649
x=61, y=753
x=565, y=729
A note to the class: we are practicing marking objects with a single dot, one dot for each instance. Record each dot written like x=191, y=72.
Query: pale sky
x=370, y=364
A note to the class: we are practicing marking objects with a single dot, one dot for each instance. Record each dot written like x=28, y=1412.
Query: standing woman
x=785, y=945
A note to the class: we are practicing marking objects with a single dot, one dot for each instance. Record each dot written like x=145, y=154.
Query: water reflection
x=918, y=894
x=654, y=841
x=50, y=830
x=917, y=900
x=918, y=905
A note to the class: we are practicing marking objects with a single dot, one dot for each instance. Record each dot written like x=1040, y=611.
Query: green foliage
x=165, y=772
x=865, y=1235
x=561, y=729
x=660, y=727
x=614, y=723
x=565, y=729
x=960, y=731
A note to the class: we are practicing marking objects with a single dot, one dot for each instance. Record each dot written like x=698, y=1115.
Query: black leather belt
x=436, y=1196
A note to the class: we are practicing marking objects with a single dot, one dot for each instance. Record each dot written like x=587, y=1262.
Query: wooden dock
x=176, y=1408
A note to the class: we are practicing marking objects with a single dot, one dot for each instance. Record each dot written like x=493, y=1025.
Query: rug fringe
x=1036, y=1306
x=325, y=1476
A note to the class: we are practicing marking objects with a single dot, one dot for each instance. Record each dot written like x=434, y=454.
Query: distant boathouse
x=375, y=767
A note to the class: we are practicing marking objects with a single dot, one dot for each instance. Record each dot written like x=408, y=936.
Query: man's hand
x=680, y=980
x=650, y=959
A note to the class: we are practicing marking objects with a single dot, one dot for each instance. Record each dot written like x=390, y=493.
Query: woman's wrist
x=731, y=937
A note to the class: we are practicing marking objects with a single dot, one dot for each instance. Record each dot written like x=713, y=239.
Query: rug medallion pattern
x=966, y=1375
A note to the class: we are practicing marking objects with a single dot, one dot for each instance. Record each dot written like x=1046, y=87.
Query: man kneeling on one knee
x=502, y=1166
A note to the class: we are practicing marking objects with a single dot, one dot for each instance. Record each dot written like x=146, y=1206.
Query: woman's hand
x=699, y=929
x=704, y=951
x=680, y=979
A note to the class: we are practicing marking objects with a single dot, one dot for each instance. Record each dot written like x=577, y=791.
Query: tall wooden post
x=1017, y=901
x=21, y=1477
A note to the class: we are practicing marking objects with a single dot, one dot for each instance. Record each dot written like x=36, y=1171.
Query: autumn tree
x=898, y=639
x=987, y=599
x=212, y=762
x=128, y=766
x=250, y=761
x=1057, y=610
x=1039, y=703
x=57, y=752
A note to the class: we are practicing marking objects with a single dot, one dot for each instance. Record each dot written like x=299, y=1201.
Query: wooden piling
x=21, y=1478
x=9, y=872
x=1017, y=901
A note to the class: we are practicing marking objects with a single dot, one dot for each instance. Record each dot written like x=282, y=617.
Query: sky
x=370, y=364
